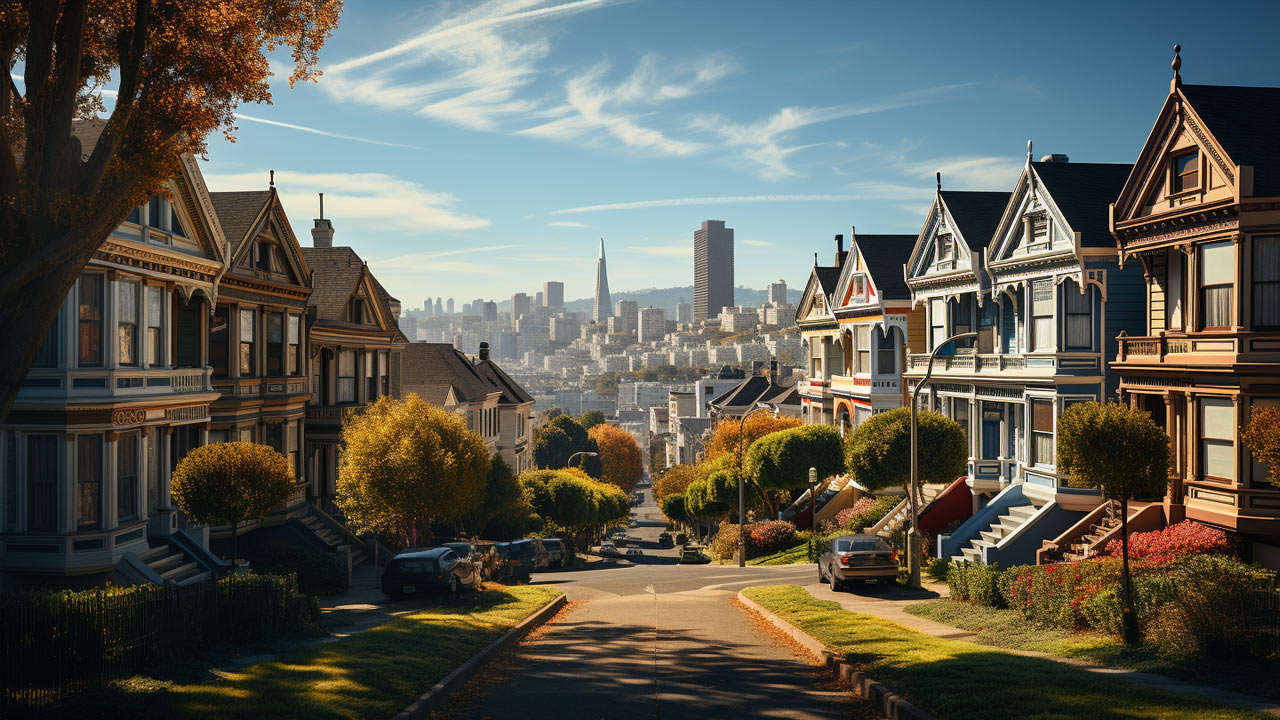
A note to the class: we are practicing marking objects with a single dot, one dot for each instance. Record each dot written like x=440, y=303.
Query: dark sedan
x=857, y=557
x=437, y=569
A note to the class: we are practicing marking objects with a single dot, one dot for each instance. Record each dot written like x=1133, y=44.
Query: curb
x=893, y=705
x=429, y=700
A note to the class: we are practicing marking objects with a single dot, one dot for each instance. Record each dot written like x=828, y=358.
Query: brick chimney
x=322, y=233
x=839, y=249
x=484, y=351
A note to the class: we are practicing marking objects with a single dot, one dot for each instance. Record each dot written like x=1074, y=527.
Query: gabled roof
x=337, y=275
x=1246, y=122
x=238, y=212
x=885, y=255
x=434, y=369
x=512, y=393
x=976, y=213
x=757, y=389
x=1083, y=192
x=827, y=279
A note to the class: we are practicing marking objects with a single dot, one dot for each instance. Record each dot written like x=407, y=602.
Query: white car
x=608, y=549
x=634, y=552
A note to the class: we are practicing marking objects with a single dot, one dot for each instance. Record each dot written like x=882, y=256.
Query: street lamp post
x=913, y=538
x=742, y=487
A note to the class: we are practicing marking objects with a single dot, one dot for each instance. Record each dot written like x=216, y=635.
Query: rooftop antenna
x=321, y=206
x=272, y=181
x=1176, y=65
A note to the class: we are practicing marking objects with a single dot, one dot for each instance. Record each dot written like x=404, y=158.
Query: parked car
x=857, y=557
x=503, y=568
x=664, y=539
x=421, y=570
x=608, y=549
x=528, y=553
x=681, y=538
x=555, y=551
x=634, y=552
x=692, y=555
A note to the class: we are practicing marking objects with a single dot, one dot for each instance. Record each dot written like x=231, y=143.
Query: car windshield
x=417, y=565
x=860, y=546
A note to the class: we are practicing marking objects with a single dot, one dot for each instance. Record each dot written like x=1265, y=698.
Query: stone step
x=195, y=578
x=991, y=536
x=154, y=553
x=1021, y=511
x=972, y=554
x=166, y=563
x=181, y=571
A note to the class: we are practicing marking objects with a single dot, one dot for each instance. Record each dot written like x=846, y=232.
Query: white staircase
x=171, y=564
x=895, y=518
x=1013, y=518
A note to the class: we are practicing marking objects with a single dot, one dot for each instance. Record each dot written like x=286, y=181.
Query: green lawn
x=1008, y=629
x=372, y=674
x=790, y=556
x=963, y=681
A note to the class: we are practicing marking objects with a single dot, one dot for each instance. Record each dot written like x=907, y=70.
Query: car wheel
x=835, y=584
x=821, y=576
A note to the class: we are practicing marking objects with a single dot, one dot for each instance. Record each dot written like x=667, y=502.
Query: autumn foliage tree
x=179, y=69
x=725, y=438
x=620, y=458
x=1262, y=436
x=406, y=464
x=231, y=483
x=674, y=480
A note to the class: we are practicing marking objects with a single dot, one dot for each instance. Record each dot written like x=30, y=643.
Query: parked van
x=555, y=552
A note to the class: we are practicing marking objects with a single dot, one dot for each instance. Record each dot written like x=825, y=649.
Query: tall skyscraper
x=778, y=292
x=519, y=306
x=712, y=269
x=489, y=310
x=553, y=290
x=602, y=310
x=684, y=312
x=439, y=307
x=449, y=306
x=537, y=299
x=627, y=312
x=652, y=325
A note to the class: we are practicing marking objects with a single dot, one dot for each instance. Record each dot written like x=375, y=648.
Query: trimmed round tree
x=590, y=419
x=501, y=489
x=674, y=480
x=1262, y=436
x=673, y=508
x=230, y=483
x=620, y=456
x=780, y=461
x=878, y=453
x=406, y=464
x=558, y=440
x=1122, y=452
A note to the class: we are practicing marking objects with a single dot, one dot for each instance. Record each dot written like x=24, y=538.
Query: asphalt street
x=658, y=640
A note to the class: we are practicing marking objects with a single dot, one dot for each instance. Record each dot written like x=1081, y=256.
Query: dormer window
x=1186, y=172
x=355, y=311
x=860, y=288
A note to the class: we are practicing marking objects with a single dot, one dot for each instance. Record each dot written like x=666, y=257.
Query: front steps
x=1013, y=518
x=173, y=565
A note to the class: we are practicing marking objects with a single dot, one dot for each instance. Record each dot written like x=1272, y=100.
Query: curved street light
x=742, y=485
x=569, y=462
x=946, y=348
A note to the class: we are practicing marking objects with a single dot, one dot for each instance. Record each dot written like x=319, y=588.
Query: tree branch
x=59, y=104
x=131, y=48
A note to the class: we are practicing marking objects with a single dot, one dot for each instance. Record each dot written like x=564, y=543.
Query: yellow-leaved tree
x=406, y=464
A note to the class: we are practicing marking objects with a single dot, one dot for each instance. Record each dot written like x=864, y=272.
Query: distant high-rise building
x=627, y=312
x=426, y=306
x=490, y=310
x=778, y=292
x=466, y=308
x=684, y=312
x=537, y=299
x=477, y=306
x=603, y=307
x=553, y=290
x=652, y=324
x=409, y=326
x=519, y=306
x=439, y=307
x=712, y=269
x=449, y=306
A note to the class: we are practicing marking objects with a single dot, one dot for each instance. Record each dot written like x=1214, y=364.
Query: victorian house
x=355, y=345
x=876, y=321
x=820, y=334
x=119, y=393
x=515, y=413
x=1200, y=217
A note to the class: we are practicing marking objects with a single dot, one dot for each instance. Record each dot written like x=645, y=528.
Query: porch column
x=1175, y=502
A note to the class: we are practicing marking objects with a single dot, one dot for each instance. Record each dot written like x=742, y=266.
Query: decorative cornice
x=1210, y=146
x=145, y=258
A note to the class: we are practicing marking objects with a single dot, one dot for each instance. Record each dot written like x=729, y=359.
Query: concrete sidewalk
x=890, y=603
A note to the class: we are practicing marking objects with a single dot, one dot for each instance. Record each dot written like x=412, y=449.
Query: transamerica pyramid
x=603, y=308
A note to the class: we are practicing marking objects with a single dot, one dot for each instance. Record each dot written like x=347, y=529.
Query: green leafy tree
x=231, y=483
x=501, y=489
x=1121, y=451
x=780, y=461
x=878, y=453
x=673, y=508
x=571, y=501
x=559, y=440
x=590, y=419
x=674, y=480
x=1262, y=437
x=406, y=464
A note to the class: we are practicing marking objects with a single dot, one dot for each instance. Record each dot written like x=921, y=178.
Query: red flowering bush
x=767, y=538
x=865, y=512
x=1174, y=542
x=861, y=506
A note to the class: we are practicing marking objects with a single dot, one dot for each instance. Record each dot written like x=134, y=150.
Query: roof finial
x=272, y=181
x=1028, y=151
x=939, y=176
x=1176, y=65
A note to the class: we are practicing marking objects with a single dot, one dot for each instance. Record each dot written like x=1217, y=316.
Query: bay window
x=1217, y=433
x=886, y=360
x=346, y=376
x=247, y=365
x=1266, y=282
x=1217, y=272
x=1042, y=315
x=155, y=319
x=89, y=482
x=127, y=322
x=127, y=478
x=295, y=337
x=275, y=344
x=1078, y=307
x=864, y=349
x=1041, y=432
x=992, y=420
x=90, y=330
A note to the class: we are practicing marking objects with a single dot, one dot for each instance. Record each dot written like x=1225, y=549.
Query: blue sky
x=477, y=149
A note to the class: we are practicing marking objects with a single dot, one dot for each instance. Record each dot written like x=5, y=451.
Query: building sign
x=129, y=416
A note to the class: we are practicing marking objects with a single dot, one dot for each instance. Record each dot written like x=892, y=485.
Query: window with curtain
x=127, y=321
x=275, y=344
x=886, y=359
x=246, y=343
x=1266, y=282
x=960, y=413
x=992, y=420
x=1217, y=438
x=1078, y=308
x=127, y=478
x=42, y=482
x=1009, y=322
x=346, y=376
x=218, y=346
x=1217, y=271
x=937, y=323
x=89, y=482
x=1186, y=172
x=864, y=349
x=155, y=320
x=1042, y=315
x=1041, y=432
x=295, y=339
x=962, y=315
x=90, y=332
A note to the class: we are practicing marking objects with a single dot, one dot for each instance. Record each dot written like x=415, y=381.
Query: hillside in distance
x=668, y=297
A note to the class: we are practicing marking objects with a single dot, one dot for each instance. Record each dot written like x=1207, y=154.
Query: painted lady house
x=820, y=334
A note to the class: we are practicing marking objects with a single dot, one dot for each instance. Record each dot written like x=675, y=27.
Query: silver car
x=857, y=557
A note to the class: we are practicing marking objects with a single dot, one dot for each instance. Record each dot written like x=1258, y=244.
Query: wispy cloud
x=369, y=200
x=680, y=251
x=977, y=172
x=723, y=200
x=431, y=255
x=566, y=224
x=326, y=133
x=757, y=243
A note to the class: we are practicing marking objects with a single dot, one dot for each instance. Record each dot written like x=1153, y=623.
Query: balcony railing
x=260, y=386
x=334, y=412
x=120, y=382
x=1156, y=348
x=970, y=362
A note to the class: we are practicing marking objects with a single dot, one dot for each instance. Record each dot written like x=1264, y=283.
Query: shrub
x=1174, y=542
x=863, y=504
x=1210, y=608
x=865, y=512
x=976, y=584
x=767, y=538
x=724, y=546
x=317, y=572
x=252, y=607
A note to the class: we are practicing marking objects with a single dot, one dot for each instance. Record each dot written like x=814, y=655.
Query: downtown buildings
x=712, y=269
